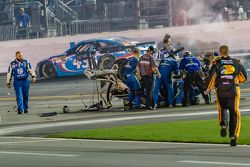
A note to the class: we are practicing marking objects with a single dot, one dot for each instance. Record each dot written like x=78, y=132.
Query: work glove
x=33, y=79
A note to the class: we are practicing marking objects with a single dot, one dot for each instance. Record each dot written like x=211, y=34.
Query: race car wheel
x=106, y=62
x=121, y=65
x=48, y=70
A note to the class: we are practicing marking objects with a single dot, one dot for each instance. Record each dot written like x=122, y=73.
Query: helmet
x=187, y=53
x=166, y=38
x=152, y=49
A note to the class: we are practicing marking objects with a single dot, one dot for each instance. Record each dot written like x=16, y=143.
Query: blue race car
x=89, y=54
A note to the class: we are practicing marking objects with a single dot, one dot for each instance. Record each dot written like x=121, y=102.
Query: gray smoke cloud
x=208, y=11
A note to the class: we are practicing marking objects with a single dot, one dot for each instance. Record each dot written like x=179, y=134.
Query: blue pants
x=169, y=86
x=178, y=91
x=134, y=85
x=22, y=94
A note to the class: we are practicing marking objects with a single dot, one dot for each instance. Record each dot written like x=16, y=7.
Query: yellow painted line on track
x=50, y=97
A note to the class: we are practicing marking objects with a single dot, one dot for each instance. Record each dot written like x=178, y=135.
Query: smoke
x=205, y=11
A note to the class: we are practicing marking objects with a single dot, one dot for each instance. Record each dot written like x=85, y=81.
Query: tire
x=121, y=65
x=48, y=70
x=106, y=62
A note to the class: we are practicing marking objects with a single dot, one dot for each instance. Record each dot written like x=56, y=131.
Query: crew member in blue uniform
x=20, y=69
x=192, y=67
x=167, y=67
x=131, y=80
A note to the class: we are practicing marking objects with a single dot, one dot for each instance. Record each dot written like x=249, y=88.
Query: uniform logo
x=227, y=69
x=20, y=71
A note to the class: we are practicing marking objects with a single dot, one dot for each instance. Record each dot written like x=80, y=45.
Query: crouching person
x=131, y=80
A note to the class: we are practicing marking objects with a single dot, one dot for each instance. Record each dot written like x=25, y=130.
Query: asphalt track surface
x=19, y=147
x=42, y=152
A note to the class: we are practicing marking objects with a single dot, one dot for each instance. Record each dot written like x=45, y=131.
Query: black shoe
x=150, y=108
x=207, y=102
x=233, y=142
x=26, y=111
x=223, y=131
x=19, y=112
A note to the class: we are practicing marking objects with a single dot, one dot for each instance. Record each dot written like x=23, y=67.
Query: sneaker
x=233, y=142
x=26, y=111
x=223, y=131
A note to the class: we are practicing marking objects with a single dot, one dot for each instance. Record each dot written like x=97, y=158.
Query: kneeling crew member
x=225, y=75
x=130, y=71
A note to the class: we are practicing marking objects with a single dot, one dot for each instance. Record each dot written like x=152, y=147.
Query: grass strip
x=198, y=131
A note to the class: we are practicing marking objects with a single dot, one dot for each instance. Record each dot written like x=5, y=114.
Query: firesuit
x=132, y=82
x=178, y=91
x=167, y=67
x=192, y=66
x=225, y=75
x=20, y=71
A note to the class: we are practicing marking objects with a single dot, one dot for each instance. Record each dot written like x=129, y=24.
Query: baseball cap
x=151, y=48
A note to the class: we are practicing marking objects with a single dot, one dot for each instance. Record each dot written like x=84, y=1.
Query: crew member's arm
x=9, y=76
x=210, y=80
x=154, y=67
x=242, y=76
x=31, y=71
x=138, y=72
x=182, y=68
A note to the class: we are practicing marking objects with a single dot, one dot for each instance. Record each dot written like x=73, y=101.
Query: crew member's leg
x=137, y=92
x=222, y=114
x=19, y=96
x=156, y=90
x=235, y=119
x=170, y=90
x=148, y=85
x=200, y=84
x=187, y=82
x=129, y=83
x=25, y=89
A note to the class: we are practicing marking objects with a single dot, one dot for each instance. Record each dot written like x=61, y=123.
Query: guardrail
x=11, y=32
x=7, y=33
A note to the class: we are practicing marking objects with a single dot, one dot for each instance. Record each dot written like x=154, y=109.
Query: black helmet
x=151, y=48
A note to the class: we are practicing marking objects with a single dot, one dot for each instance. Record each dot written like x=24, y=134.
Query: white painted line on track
x=215, y=163
x=11, y=130
x=40, y=139
x=38, y=154
x=32, y=141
